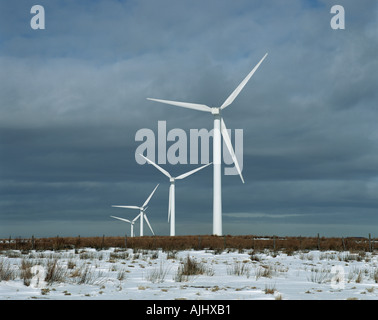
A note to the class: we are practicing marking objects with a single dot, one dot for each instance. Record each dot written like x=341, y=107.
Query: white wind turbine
x=219, y=131
x=171, y=201
x=131, y=223
x=142, y=210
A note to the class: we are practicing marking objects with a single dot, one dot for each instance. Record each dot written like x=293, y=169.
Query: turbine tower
x=171, y=201
x=219, y=131
x=131, y=223
x=142, y=214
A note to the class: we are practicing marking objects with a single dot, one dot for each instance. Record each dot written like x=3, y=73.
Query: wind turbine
x=131, y=223
x=171, y=201
x=142, y=210
x=219, y=131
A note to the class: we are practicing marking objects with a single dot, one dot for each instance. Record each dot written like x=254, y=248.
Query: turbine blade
x=195, y=106
x=191, y=172
x=234, y=94
x=228, y=143
x=156, y=166
x=136, y=218
x=149, y=198
x=145, y=218
x=129, y=207
x=121, y=219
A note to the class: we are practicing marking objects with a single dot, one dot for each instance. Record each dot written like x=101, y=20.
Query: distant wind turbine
x=131, y=223
x=142, y=210
x=171, y=201
x=219, y=131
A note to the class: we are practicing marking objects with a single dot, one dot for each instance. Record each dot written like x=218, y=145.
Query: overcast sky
x=73, y=96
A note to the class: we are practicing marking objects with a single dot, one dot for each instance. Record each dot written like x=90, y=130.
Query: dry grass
x=55, y=272
x=239, y=269
x=6, y=271
x=170, y=244
x=270, y=289
x=158, y=274
x=191, y=267
x=264, y=271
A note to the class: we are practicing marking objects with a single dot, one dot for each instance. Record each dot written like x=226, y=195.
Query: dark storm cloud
x=74, y=95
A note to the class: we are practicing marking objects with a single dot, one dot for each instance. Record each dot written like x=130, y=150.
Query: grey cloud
x=73, y=96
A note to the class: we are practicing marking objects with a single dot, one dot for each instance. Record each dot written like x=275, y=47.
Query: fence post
x=370, y=242
x=32, y=242
x=372, y=245
x=274, y=243
x=56, y=247
x=318, y=242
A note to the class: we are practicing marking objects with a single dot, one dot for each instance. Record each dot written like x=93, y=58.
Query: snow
x=118, y=274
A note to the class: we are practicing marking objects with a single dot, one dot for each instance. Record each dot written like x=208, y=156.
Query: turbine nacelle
x=215, y=111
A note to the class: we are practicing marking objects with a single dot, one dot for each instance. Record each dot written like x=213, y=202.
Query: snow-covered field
x=158, y=275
